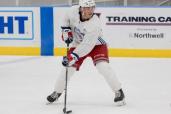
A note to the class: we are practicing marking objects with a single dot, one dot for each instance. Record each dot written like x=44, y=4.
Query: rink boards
x=129, y=31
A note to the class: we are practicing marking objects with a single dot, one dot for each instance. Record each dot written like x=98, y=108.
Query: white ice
x=25, y=83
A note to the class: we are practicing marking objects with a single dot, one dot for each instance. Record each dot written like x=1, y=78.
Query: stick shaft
x=66, y=82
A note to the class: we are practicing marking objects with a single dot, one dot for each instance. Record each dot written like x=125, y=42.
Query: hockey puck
x=69, y=111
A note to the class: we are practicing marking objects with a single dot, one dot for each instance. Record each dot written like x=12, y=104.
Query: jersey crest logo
x=79, y=34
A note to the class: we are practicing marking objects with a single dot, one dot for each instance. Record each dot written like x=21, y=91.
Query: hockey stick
x=66, y=84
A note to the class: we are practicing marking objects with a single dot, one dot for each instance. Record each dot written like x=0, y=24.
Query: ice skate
x=53, y=97
x=119, y=98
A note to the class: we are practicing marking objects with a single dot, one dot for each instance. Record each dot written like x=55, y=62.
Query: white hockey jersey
x=86, y=34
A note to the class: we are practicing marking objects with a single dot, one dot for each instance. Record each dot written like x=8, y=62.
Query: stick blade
x=66, y=112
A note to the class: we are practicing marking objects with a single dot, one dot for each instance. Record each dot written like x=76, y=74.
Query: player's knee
x=103, y=66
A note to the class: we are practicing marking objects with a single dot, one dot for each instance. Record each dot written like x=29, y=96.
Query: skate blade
x=121, y=103
x=48, y=103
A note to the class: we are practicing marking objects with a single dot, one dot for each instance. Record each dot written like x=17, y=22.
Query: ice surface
x=25, y=83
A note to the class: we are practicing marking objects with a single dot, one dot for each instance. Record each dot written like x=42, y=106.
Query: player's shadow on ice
x=91, y=104
x=84, y=104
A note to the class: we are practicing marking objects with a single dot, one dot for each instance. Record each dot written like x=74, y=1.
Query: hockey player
x=82, y=27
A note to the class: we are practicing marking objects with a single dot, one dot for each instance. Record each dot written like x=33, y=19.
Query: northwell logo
x=147, y=35
x=16, y=25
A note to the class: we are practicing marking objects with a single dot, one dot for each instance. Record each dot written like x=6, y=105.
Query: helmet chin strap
x=83, y=14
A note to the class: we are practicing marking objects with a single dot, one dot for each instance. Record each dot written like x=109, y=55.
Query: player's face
x=87, y=12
